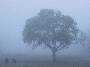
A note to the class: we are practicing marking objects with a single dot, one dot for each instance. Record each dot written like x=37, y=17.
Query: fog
x=14, y=13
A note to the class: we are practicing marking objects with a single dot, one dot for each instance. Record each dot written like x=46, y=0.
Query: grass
x=47, y=65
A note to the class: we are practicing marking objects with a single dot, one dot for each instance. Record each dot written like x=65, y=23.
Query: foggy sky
x=13, y=14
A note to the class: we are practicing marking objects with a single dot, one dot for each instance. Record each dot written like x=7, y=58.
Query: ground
x=64, y=64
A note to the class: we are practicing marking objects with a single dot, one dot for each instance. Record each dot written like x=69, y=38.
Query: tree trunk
x=54, y=56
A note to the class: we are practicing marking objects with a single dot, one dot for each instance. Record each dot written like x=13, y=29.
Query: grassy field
x=46, y=65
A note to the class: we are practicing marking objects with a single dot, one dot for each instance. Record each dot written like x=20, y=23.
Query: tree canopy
x=50, y=28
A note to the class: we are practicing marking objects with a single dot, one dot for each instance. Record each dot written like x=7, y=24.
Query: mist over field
x=13, y=16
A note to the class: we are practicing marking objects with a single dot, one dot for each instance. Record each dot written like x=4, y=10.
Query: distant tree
x=82, y=38
x=51, y=29
x=88, y=38
x=13, y=60
x=6, y=60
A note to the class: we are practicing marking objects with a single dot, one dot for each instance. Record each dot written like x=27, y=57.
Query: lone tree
x=52, y=29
